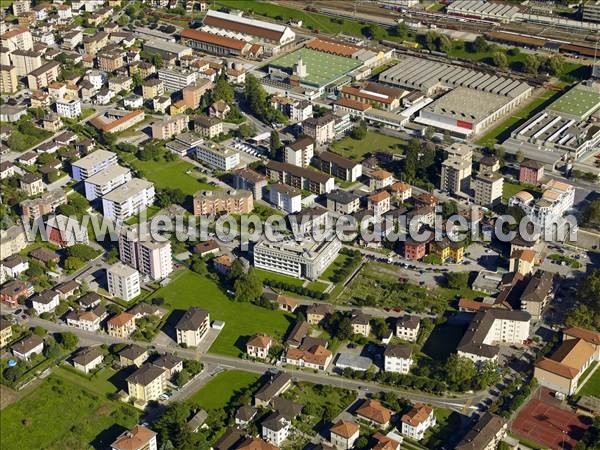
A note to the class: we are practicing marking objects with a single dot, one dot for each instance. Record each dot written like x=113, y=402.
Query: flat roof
x=581, y=101
x=467, y=104
x=106, y=175
x=323, y=68
x=125, y=191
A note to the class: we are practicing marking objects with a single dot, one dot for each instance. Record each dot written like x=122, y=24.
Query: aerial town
x=300, y=225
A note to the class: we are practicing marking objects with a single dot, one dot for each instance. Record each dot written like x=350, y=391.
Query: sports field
x=578, y=102
x=322, y=68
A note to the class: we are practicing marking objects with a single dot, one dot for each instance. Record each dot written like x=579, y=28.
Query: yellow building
x=179, y=107
x=121, y=325
x=147, y=383
x=446, y=249
x=152, y=88
x=5, y=332
x=8, y=79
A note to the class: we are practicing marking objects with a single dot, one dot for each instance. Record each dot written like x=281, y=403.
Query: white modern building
x=218, y=156
x=397, y=358
x=128, y=199
x=93, y=163
x=123, y=281
x=176, y=79
x=101, y=183
x=286, y=198
x=301, y=259
x=150, y=257
x=70, y=109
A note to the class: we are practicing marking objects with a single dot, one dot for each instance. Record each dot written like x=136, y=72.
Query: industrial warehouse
x=475, y=99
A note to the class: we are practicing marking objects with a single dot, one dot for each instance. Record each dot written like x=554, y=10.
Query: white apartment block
x=149, y=257
x=70, y=109
x=218, y=156
x=488, y=187
x=85, y=320
x=45, y=302
x=175, y=80
x=128, y=199
x=286, y=198
x=18, y=38
x=93, y=163
x=123, y=281
x=101, y=183
x=397, y=358
x=300, y=259
x=417, y=421
x=276, y=429
x=407, y=328
x=300, y=153
x=192, y=327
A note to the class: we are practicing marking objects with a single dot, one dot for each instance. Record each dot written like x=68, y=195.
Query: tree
x=591, y=215
x=362, y=442
x=359, y=131
x=380, y=327
x=245, y=130
x=223, y=90
x=401, y=30
x=82, y=251
x=444, y=44
x=479, y=45
x=460, y=371
x=182, y=378
x=39, y=331
x=123, y=20
x=449, y=208
x=73, y=263
x=499, y=153
x=67, y=340
x=248, y=287
x=514, y=51
x=274, y=144
x=373, y=31
x=457, y=280
x=554, y=65
x=500, y=60
x=172, y=425
x=531, y=63
x=430, y=40
x=199, y=266
x=12, y=374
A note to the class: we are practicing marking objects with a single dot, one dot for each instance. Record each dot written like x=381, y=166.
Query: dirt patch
x=7, y=396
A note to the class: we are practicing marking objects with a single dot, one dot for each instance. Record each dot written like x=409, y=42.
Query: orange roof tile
x=344, y=429
x=375, y=411
x=417, y=415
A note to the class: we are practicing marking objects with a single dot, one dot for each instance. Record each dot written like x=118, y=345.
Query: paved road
x=458, y=402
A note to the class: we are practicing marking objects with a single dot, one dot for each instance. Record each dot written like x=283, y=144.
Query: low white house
x=258, y=346
x=397, y=358
x=88, y=359
x=47, y=301
x=84, y=320
x=417, y=421
x=26, y=348
x=275, y=429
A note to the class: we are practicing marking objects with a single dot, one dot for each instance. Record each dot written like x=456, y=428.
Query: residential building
x=122, y=325
x=360, y=323
x=192, y=93
x=13, y=266
x=147, y=383
x=9, y=82
x=169, y=127
x=17, y=38
x=218, y=156
x=208, y=127
x=103, y=182
x=321, y=129
x=25, y=61
x=65, y=231
x=176, y=79
x=149, y=257
x=92, y=164
x=117, y=120
x=338, y=166
x=275, y=429
x=70, y=109
x=343, y=434
x=522, y=261
x=457, y=169
x=133, y=355
x=32, y=184
x=46, y=204
x=317, y=312
x=44, y=75
x=407, y=328
x=379, y=203
x=299, y=177
x=377, y=95
x=558, y=197
x=128, y=199
x=152, y=88
x=531, y=171
x=84, y=320
x=218, y=202
x=123, y=281
x=138, y=438
x=14, y=290
x=301, y=259
x=5, y=332
x=398, y=358
x=491, y=328
x=486, y=434
x=300, y=152
x=380, y=179
x=285, y=197
x=488, y=187
x=448, y=250
x=276, y=386
x=219, y=109
x=537, y=293
x=45, y=302
x=87, y=359
x=343, y=202
x=315, y=357
x=250, y=180
x=192, y=327
x=21, y=7
x=26, y=348
x=244, y=415
x=375, y=413
x=258, y=346
x=417, y=421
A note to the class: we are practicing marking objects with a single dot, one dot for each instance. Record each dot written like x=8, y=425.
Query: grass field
x=317, y=286
x=217, y=392
x=592, y=386
x=502, y=131
x=60, y=414
x=170, y=174
x=266, y=275
x=373, y=142
x=242, y=320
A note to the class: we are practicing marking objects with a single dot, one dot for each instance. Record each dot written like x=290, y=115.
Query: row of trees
x=296, y=289
x=258, y=103
x=587, y=312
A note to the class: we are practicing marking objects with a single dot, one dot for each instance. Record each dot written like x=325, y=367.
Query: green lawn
x=339, y=261
x=502, y=131
x=592, y=387
x=217, y=392
x=99, y=382
x=59, y=414
x=318, y=286
x=266, y=275
x=242, y=320
x=373, y=142
x=511, y=188
x=171, y=174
